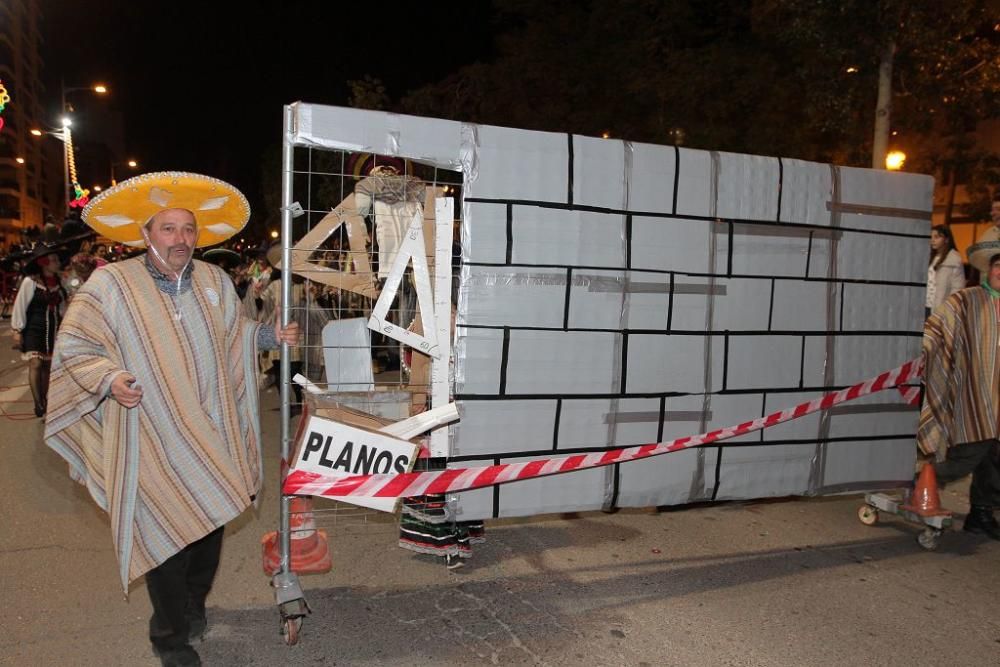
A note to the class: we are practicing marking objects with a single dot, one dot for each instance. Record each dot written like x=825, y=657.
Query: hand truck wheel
x=868, y=515
x=928, y=538
x=290, y=630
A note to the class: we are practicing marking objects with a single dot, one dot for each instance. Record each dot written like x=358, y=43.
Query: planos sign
x=331, y=448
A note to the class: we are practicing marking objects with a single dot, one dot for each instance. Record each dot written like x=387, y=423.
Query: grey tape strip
x=780, y=232
x=872, y=408
x=883, y=211
x=647, y=417
x=593, y=283
x=708, y=486
x=871, y=485
x=603, y=284
x=817, y=473
x=619, y=370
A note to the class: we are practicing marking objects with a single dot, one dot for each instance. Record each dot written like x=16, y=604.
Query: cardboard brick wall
x=615, y=293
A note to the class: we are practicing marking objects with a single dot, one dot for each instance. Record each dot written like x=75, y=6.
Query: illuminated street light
x=97, y=188
x=894, y=160
x=274, y=233
x=132, y=164
x=35, y=132
x=19, y=160
x=852, y=70
x=66, y=108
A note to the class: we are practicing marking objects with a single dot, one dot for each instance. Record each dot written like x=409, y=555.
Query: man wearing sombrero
x=959, y=419
x=153, y=393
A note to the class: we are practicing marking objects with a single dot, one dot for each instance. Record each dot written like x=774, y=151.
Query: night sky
x=200, y=85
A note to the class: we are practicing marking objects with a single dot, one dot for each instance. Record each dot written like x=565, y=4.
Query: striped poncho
x=961, y=374
x=187, y=459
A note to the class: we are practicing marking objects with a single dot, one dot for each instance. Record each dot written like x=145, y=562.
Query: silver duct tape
x=465, y=237
x=591, y=282
x=392, y=140
x=515, y=279
x=460, y=347
x=619, y=378
x=817, y=473
x=882, y=211
x=855, y=487
x=650, y=416
x=605, y=284
x=468, y=154
x=328, y=127
x=873, y=408
x=627, y=175
x=779, y=231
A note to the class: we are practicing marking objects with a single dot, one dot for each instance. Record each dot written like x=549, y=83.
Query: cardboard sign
x=331, y=448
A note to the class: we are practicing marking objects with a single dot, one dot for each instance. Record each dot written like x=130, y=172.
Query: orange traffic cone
x=925, y=500
x=309, y=548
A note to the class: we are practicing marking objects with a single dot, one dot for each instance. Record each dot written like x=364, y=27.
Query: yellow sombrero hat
x=119, y=212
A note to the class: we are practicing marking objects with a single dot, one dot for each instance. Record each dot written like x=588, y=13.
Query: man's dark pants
x=178, y=588
x=980, y=459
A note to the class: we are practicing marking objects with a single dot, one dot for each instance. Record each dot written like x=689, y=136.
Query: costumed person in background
x=81, y=265
x=270, y=309
x=393, y=200
x=35, y=316
x=153, y=400
x=427, y=525
x=993, y=233
x=960, y=417
x=258, y=274
x=945, y=273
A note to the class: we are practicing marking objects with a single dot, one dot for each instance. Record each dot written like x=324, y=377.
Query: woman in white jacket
x=945, y=273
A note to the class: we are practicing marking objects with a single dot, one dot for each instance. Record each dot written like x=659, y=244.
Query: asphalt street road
x=791, y=582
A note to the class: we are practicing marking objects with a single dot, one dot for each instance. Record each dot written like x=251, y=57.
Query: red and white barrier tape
x=464, y=479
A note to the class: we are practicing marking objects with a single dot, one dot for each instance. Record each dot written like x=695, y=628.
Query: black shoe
x=198, y=625
x=184, y=656
x=981, y=521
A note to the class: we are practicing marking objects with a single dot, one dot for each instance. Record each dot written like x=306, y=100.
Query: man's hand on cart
x=288, y=335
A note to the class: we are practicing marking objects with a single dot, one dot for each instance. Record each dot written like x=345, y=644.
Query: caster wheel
x=928, y=539
x=290, y=630
x=868, y=515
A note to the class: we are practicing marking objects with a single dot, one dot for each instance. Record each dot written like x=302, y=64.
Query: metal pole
x=880, y=142
x=287, y=154
x=66, y=148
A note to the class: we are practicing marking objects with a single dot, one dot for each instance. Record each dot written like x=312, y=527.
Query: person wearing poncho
x=959, y=418
x=153, y=394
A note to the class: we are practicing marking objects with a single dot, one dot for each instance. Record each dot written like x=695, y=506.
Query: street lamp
x=894, y=160
x=131, y=164
x=98, y=88
x=64, y=108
